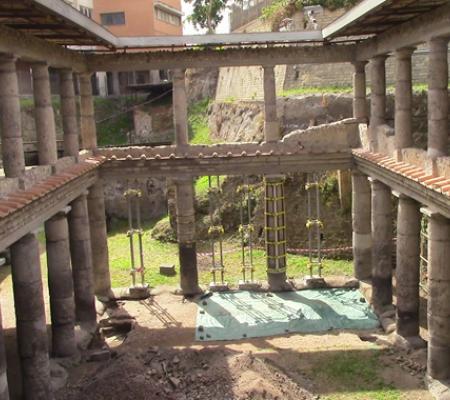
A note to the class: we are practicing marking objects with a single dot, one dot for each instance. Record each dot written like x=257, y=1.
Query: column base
x=440, y=390
x=438, y=366
x=315, y=282
x=381, y=292
x=409, y=343
x=188, y=269
x=407, y=324
x=219, y=287
x=279, y=283
x=250, y=286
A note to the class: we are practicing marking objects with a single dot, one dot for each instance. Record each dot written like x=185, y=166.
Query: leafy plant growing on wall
x=281, y=9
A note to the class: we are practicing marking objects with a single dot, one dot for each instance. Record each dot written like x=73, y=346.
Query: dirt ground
x=159, y=359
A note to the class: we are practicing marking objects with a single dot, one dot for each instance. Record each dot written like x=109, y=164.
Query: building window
x=116, y=18
x=168, y=17
x=86, y=11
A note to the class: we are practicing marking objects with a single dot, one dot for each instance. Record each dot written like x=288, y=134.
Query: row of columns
x=184, y=189
x=372, y=207
x=76, y=240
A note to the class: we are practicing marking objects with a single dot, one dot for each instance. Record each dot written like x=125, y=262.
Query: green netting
x=237, y=315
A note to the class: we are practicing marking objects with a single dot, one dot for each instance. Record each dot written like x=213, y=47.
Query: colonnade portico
x=75, y=228
x=409, y=215
x=68, y=236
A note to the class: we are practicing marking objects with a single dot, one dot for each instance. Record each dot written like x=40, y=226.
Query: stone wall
x=153, y=200
x=245, y=83
x=153, y=124
x=244, y=120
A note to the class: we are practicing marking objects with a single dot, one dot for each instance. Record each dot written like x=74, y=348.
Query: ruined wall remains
x=244, y=120
x=245, y=83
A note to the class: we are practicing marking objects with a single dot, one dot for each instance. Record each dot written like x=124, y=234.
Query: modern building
x=133, y=18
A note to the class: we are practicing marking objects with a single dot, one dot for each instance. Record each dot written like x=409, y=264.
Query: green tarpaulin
x=237, y=315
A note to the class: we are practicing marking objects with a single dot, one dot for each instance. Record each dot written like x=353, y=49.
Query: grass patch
x=301, y=91
x=354, y=376
x=198, y=123
x=157, y=253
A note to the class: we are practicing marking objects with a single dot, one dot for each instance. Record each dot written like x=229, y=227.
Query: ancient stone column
x=361, y=217
x=180, y=107
x=45, y=118
x=62, y=304
x=382, y=227
x=4, y=393
x=115, y=83
x=438, y=98
x=81, y=255
x=87, y=117
x=438, y=296
x=69, y=113
x=377, y=98
x=30, y=318
x=99, y=241
x=10, y=119
x=271, y=124
x=359, y=90
x=275, y=218
x=403, y=100
x=185, y=194
x=407, y=271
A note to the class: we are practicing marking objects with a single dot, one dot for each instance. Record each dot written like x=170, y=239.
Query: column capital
x=360, y=65
x=179, y=73
x=430, y=213
x=379, y=59
x=268, y=66
x=39, y=64
x=404, y=52
x=8, y=57
x=438, y=43
x=402, y=196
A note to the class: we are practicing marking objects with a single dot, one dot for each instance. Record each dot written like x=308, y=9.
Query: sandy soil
x=159, y=359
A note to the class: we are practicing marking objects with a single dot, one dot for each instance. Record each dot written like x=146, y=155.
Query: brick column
x=184, y=190
x=359, y=90
x=438, y=296
x=10, y=119
x=99, y=241
x=62, y=305
x=438, y=98
x=180, y=107
x=184, y=194
x=87, y=116
x=381, y=244
x=30, y=318
x=275, y=219
x=377, y=97
x=45, y=119
x=96, y=197
x=403, y=100
x=271, y=124
x=407, y=271
x=58, y=255
x=69, y=113
x=361, y=217
x=81, y=255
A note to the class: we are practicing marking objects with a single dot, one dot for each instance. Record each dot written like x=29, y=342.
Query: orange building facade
x=127, y=18
x=139, y=17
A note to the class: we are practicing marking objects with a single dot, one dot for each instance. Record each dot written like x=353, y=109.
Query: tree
x=207, y=14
